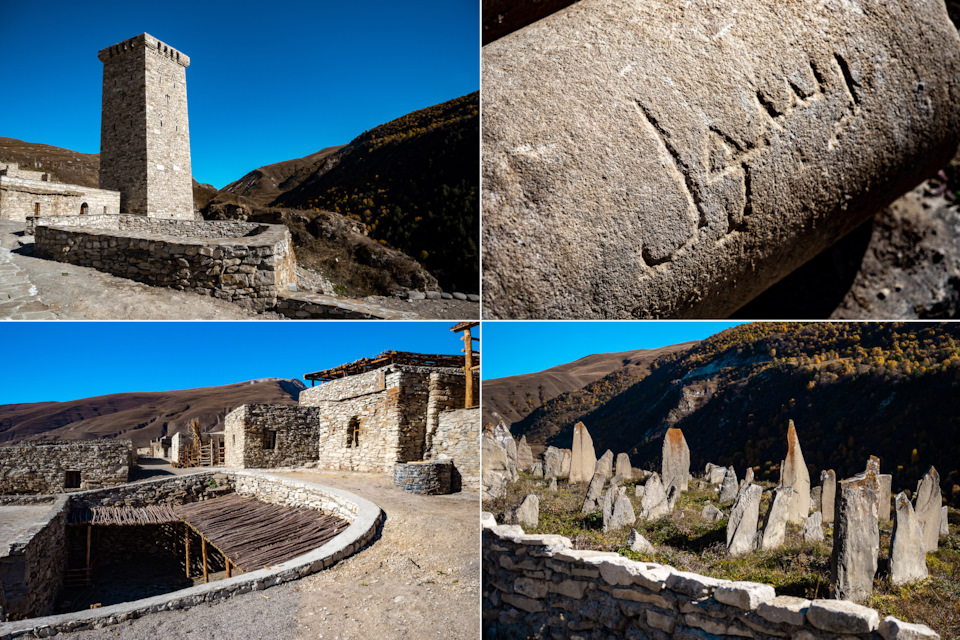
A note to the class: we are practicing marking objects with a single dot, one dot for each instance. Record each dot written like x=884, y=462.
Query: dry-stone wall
x=428, y=477
x=458, y=437
x=43, y=467
x=21, y=198
x=263, y=436
x=31, y=566
x=245, y=263
x=539, y=586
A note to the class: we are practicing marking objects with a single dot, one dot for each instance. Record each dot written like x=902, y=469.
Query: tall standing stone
x=676, y=460
x=623, y=514
x=654, y=503
x=813, y=528
x=552, y=462
x=594, y=491
x=624, y=470
x=908, y=559
x=856, y=537
x=144, y=130
x=944, y=521
x=510, y=447
x=605, y=464
x=886, y=488
x=524, y=455
x=815, y=499
x=775, y=523
x=742, y=525
x=794, y=474
x=494, y=468
x=583, y=461
x=828, y=494
x=565, y=465
x=728, y=488
x=927, y=506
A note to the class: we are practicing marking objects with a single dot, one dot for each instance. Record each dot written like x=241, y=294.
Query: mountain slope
x=265, y=184
x=513, y=398
x=853, y=390
x=139, y=416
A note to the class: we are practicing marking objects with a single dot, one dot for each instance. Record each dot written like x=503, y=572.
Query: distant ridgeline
x=891, y=390
x=414, y=182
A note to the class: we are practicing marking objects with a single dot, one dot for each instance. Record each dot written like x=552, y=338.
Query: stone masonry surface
x=43, y=468
x=458, y=437
x=19, y=298
x=262, y=436
x=364, y=517
x=245, y=263
x=429, y=478
x=144, y=130
x=31, y=565
x=539, y=586
x=21, y=198
x=674, y=159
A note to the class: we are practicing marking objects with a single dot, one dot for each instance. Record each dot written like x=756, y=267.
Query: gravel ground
x=420, y=579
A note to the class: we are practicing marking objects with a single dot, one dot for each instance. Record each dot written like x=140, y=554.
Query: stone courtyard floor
x=419, y=580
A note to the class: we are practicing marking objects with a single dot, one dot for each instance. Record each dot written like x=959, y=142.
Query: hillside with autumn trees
x=853, y=390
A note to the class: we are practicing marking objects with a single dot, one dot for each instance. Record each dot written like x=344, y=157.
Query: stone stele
x=524, y=455
x=675, y=159
x=794, y=473
x=676, y=461
x=856, y=537
x=624, y=470
x=775, y=523
x=742, y=525
x=927, y=506
x=908, y=559
x=605, y=464
x=583, y=460
x=828, y=493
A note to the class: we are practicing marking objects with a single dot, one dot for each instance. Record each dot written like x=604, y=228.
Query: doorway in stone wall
x=84, y=209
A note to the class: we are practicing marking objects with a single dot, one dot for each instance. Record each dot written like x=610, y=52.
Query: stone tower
x=144, y=134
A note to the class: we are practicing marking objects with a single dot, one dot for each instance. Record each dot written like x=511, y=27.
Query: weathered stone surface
x=886, y=487
x=714, y=473
x=552, y=485
x=41, y=467
x=607, y=502
x=623, y=515
x=638, y=490
x=527, y=514
x=566, y=463
x=742, y=526
x=815, y=499
x=856, y=537
x=838, y=616
x=494, y=467
x=745, y=595
x=785, y=610
x=654, y=503
x=524, y=455
x=676, y=460
x=794, y=474
x=638, y=543
x=828, y=482
x=944, y=521
x=729, y=487
x=774, y=99
x=813, y=528
x=624, y=470
x=775, y=522
x=711, y=513
x=537, y=469
x=928, y=503
x=510, y=448
x=552, y=462
x=893, y=629
x=605, y=464
x=908, y=558
x=583, y=459
x=594, y=492
x=693, y=584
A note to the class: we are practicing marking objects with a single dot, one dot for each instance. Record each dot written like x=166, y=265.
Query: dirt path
x=420, y=580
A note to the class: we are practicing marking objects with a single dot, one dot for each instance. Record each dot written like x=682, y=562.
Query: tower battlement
x=146, y=41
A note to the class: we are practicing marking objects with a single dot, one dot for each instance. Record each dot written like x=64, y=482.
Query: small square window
x=270, y=439
x=72, y=480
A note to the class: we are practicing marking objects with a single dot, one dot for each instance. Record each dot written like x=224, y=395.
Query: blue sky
x=268, y=81
x=512, y=348
x=71, y=360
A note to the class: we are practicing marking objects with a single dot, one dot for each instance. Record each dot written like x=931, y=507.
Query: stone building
x=26, y=193
x=58, y=467
x=365, y=416
x=144, y=131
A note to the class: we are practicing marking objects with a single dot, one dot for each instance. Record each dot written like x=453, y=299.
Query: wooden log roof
x=386, y=358
x=129, y=516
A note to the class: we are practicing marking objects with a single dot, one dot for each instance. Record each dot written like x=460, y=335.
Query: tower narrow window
x=270, y=439
x=36, y=208
x=72, y=480
x=353, y=433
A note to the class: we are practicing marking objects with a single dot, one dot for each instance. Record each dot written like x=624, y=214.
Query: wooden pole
x=468, y=368
x=186, y=538
x=228, y=566
x=89, y=539
x=203, y=547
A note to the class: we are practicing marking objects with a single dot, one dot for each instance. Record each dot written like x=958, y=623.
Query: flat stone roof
x=16, y=520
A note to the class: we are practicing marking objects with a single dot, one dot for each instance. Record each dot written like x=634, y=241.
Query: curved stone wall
x=364, y=516
x=245, y=263
x=428, y=478
x=540, y=586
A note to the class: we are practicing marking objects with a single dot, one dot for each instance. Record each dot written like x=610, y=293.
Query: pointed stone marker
x=537, y=469
x=510, y=446
x=927, y=506
x=527, y=514
x=494, y=468
x=794, y=474
x=742, y=525
x=524, y=455
x=607, y=503
x=676, y=460
x=594, y=492
x=813, y=528
x=775, y=523
x=856, y=537
x=605, y=464
x=728, y=489
x=908, y=560
x=828, y=494
x=638, y=543
x=711, y=514
x=623, y=514
x=654, y=503
x=624, y=470
x=583, y=460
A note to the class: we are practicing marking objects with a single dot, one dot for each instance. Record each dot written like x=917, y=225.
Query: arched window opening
x=84, y=209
